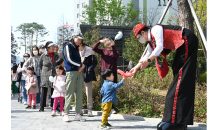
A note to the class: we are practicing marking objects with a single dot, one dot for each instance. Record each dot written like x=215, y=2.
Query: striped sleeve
x=67, y=54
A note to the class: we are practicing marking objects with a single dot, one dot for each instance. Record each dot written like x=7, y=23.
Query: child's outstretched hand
x=124, y=77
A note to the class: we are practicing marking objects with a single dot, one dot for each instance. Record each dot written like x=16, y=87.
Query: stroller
x=20, y=98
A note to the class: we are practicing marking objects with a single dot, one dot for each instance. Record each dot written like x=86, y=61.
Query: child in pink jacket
x=59, y=89
x=31, y=87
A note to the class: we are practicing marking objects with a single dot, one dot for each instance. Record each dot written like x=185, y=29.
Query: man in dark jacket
x=73, y=66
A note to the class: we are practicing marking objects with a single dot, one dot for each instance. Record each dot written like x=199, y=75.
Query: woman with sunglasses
x=23, y=78
x=109, y=57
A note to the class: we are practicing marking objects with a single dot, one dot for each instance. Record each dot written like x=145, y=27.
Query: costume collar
x=149, y=35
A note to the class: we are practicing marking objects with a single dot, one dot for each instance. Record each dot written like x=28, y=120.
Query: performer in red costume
x=179, y=103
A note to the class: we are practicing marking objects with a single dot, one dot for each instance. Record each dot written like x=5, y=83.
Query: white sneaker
x=24, y=103
x=105, y=127
x=62, y=113
x=90, y=113
x=79, y=118
x=81, y=112
x=66, y=118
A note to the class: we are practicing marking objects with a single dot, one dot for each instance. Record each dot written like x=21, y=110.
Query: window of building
x=60, y=29
x=77, y=24
x=72, y=29
x=78, y=15
x=83, y=4
x=77, y=5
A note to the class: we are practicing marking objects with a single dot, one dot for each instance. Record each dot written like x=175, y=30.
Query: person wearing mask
x=20, y=68
x=34, y=61
x=89, y=60
x=74, y=66
x=47, y=63
x=41, y=49
x=179, y=104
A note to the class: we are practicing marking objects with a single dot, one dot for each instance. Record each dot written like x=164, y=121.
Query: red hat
x=138, y=28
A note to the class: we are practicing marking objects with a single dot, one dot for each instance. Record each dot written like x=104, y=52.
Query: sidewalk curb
x=131, y=117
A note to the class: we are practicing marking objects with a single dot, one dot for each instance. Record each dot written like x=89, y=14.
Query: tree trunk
x=185, y=15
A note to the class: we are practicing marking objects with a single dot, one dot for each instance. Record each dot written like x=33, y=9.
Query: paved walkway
x=32, y=119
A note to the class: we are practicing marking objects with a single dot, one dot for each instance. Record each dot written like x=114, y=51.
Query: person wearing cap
x=47, y=63
x=179, y=103
x=41, y=49
x=74, y=79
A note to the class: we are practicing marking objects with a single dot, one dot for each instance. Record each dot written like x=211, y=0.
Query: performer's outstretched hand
x=133, y=70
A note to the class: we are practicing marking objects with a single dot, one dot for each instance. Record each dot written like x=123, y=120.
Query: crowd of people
x=44, y=74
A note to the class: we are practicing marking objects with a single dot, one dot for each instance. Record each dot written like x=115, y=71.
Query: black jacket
x=71, y=57
x=90, y=63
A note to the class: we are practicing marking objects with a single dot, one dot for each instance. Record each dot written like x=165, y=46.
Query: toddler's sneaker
x=90, y=113
x=105, y=127
x=53, y=113
x=109, y=125
x=66, y=118
x=61, y=113
x=79, y=118
x=28, y=107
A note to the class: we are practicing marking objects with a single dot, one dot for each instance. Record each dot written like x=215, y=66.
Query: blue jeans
x=24, y=92
x=38, y=94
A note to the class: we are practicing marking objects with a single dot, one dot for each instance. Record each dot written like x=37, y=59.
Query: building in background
x=151, y=11
x=78, y=9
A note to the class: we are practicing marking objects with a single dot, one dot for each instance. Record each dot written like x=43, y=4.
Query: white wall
x=79, y=10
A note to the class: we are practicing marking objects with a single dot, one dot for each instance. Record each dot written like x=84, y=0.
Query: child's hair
x=59, y=61
x=60, y=68
x=106, y=73
x=31, y=68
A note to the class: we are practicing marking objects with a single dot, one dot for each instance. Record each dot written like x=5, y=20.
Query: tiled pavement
x=32, y=119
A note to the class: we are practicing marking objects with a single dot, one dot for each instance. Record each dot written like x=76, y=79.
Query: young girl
x=31, y=81
x=59, y=89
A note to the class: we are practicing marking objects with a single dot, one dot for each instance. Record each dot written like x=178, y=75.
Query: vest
x=172, y=39
x=76, y=57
